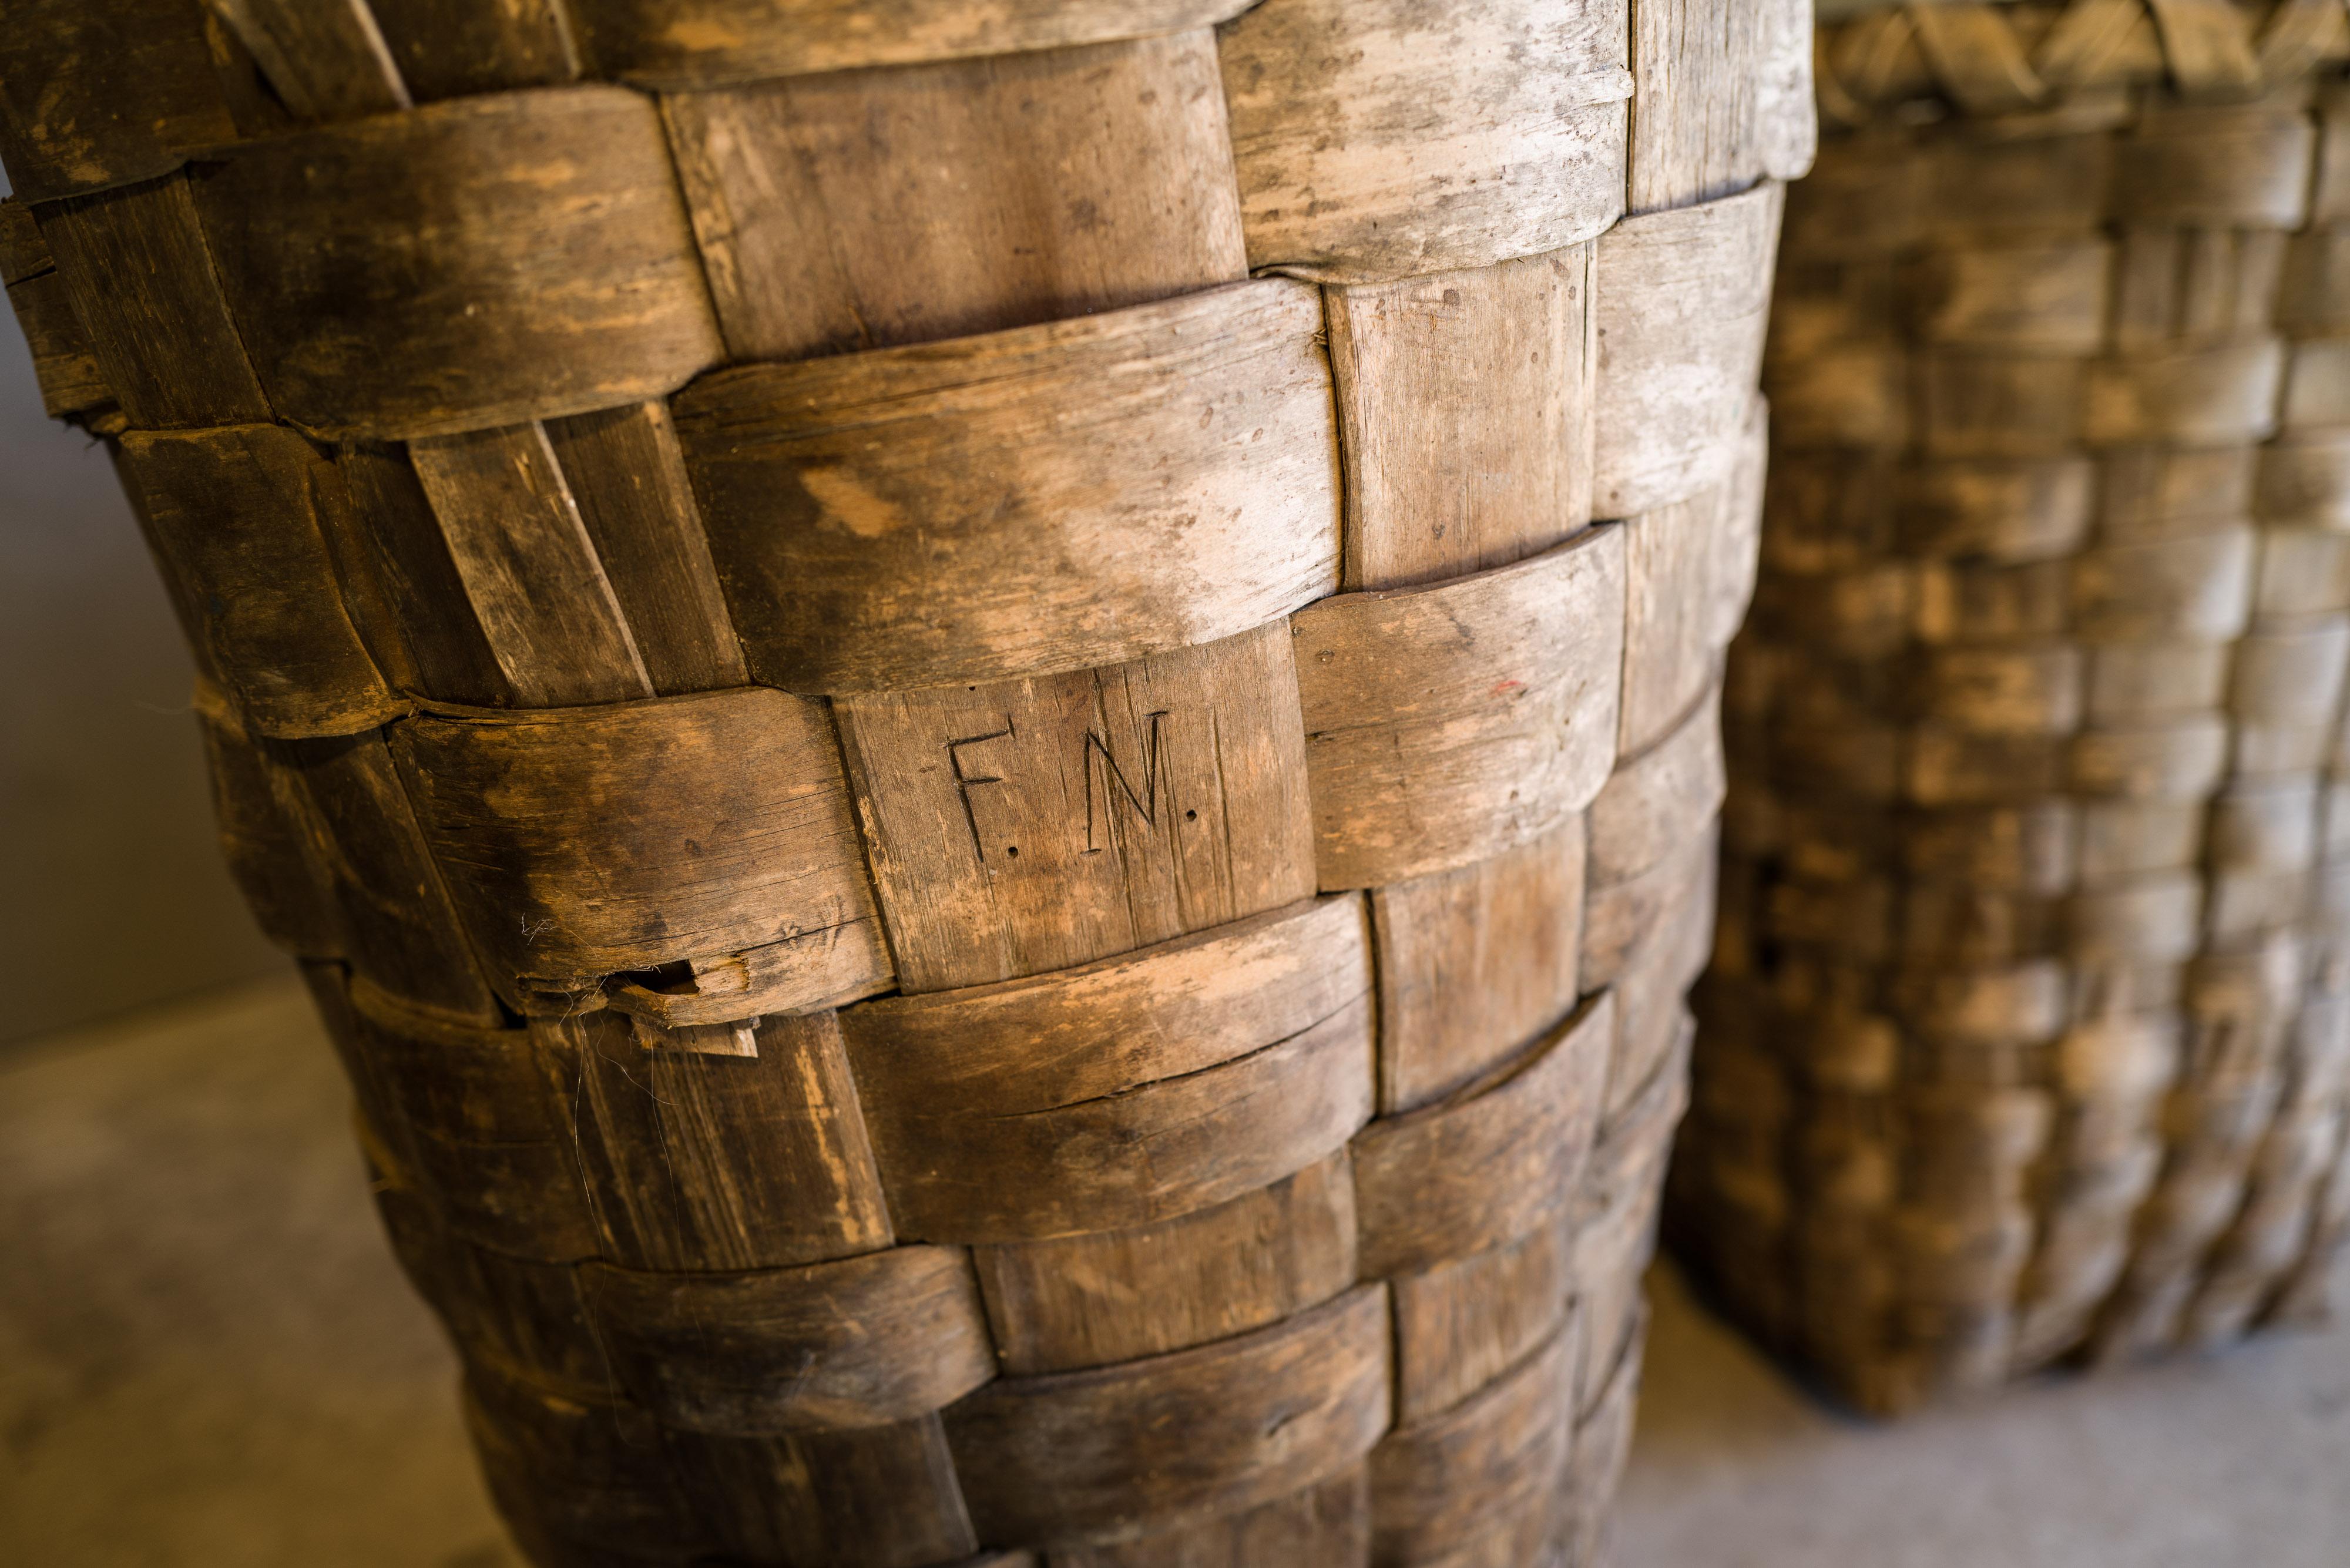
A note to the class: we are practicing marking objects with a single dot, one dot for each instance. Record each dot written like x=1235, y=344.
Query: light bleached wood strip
x=1384, y=138
x=1027, y=826
x=1218, y=1429
x=842, y=212
x=971, y=510
x=1721, y=99
x=530, y=571
x=1447, y=723
x=1465, y=409
x=1684, y=296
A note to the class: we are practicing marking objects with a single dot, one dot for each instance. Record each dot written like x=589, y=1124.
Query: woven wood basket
x=2028, y=1030
x=929, y=687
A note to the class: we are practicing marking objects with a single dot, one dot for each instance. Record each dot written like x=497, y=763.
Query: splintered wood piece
x=1474, y=963
x=1446, y=724
x=543, y=267
x=1684, y=296
x=860, y=211
x=626, y=477
x=708, y=1163
x=1387, y=139
x=711, y=43
x=1502, y=360
x=239, y=515
x=972, y=511
x=1032, y=825
x=1484, y=1168
x=529, y=569
x=860, y=1342
x=1483, y=1481
x=586, y=842
x=1106, y=1453
x=1126, y=1092
x=1091, y=1301
x=144, y=288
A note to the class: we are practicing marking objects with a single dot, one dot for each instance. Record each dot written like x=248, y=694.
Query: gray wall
x=112, y=890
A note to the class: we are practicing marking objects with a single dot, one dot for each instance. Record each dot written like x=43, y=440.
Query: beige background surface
x=111, y=890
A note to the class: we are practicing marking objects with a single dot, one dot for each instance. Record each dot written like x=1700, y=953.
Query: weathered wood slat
x=104, y=92
x=545, y=269
x=449, y=48
x=1447, y=723
x=586, y=842
x=1384, y=138
x=971, y=510
x=711, y=43
x=861, y=1342
x=851, y=211
x=1218, y=1429
x=1027, y=826
x=1147, y=1086
x=325, y=61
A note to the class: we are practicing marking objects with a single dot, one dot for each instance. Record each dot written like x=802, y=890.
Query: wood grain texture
x=718, y=1163
x=1656, y=802
x=1445, y=724
x=1107, y=1452
x=843, y=212
x=1480, y=1484
x=65, y=360
x=1474, y=962
x=546, y=268
x=586, y=842
x=325, y=62
x=1462, y=1325
x=1327, y=1525
x=1676, y=374
x=626, y=477
x=449, y=48
x=974, y=510
x=1116, y=1295
x=537, y=588
x=1721, y=99
x=860, y=1342
x=712, y=43
x=1486, y=1167
x=423, y=589
x=106, y=93
x=1146, y=1087
x=144, y=287
x=1465, y=411
x=1031, y=825
x=259, y=813
x=1385, y=139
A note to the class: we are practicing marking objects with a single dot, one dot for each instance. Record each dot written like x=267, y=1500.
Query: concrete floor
x=206, y=1358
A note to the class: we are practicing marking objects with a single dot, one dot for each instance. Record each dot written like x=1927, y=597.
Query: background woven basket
x=2027, y=1030
x=930, y=689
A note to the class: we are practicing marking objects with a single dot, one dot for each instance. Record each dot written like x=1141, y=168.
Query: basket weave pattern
x=931, y=691
x=2029, y=1020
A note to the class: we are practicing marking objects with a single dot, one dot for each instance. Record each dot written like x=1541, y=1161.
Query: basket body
x=992, y=729
x=2026, y=1036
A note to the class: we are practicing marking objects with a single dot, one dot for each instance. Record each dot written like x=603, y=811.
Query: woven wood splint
x=2028, y=1030
x=931, y=689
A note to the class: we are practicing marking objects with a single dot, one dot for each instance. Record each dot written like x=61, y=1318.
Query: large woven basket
x=930, y=689
x=2028, y=1030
